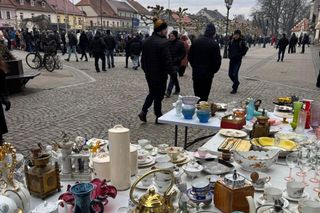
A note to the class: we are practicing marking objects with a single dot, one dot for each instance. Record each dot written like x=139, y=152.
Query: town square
x=159, y=106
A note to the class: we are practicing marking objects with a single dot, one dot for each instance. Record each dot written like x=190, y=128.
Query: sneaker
x=98, y=70
x=233, y=92
x=143, y=116
x=157, y=122
x=66, y=59
x=77, y=60
x=104, y=70
x=113, y=66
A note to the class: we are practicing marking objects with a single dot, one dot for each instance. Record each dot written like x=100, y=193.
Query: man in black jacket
x=110, y=46
x=205, y=60
x=177, y=52
x=292, y=43
x=237, y=49
x=98, y=47
x=156, y=63
x=282, y=45
x=135, y=51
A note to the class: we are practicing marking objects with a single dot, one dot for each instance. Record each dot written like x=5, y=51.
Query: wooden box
x=232, y=124
x=228, y=200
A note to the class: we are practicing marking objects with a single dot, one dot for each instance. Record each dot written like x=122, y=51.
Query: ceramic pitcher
x=83, y=202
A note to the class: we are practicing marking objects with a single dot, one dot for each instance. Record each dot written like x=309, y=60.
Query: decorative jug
x=250, y=109
x=83, y=202
x=152, y=201
x=261, y=128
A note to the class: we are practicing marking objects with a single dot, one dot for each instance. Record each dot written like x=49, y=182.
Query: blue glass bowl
x=188, y=113
x=203, y=116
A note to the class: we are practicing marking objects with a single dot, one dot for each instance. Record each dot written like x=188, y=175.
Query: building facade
x=7, y=15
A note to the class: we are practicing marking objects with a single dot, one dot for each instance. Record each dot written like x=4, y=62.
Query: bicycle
x=36, y=61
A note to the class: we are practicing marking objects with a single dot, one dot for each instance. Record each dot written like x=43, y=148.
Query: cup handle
x=268, y=179
x=99, y=203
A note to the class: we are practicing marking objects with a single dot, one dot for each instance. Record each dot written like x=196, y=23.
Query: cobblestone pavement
x=86, y=102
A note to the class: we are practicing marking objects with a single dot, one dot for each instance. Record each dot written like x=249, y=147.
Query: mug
x=272, y=194
x=202, y=152
x=309, y=206
x=263, y=179
x=295, y=189
x=163, y=147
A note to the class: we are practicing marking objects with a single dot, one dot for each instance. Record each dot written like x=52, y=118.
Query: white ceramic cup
x=162, y=185
x=163, y=147
x=143, y=142
x=263, y=179
x=295, y=189
x=164, y=176
x=202, y=152
x=272, y=194
x=309, y=206
x=142, y=155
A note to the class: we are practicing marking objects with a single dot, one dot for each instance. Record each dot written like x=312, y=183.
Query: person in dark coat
x=110, y=42
x=305, y=41
x=73, y=42
x=64, y=43
x=318, y=80
x=205, y=60
x=3, y=100
x=127, y=50
x=156, y=64
x=282, y=45
x=98, y=48
x=177, y=52
x=83, y=44
x=135, y=51
x=292, y=43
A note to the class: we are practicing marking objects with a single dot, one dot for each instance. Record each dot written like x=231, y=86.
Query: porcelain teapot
x=7, y=205
x=50, y=207
x=276, y=208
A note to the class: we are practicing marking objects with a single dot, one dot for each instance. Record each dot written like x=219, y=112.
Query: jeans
x=110, y=57
x=281, y=54
x=135, y=60
x=234, y=67
x=96, y=61
x=157, y=90
x=173, y=82
x=202, y=88
x=73, y=49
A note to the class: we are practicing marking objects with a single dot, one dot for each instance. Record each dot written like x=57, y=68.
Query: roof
x=6, y=3
x=37, y=6
x=106, y=9
x=215, y=14
x=121, y=5
x=303, y=25
x=64, y=6
x=138, y=7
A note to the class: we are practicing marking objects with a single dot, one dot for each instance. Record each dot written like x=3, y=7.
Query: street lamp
x=101, y=15
x=228, y=5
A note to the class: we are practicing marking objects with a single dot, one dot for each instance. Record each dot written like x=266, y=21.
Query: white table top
x=172, y=119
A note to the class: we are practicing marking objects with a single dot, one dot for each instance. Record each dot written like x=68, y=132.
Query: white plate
x=233, y=133
x=147, y=161
x=273, y=129
x=304, y=196
x=147, y=165
x=262, y=201
x=262, y=189
x=208, y=156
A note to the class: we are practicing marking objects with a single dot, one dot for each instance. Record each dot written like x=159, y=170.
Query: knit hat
x=175, y=33
x=159, y=24
x=237, y=32
x=210, y=30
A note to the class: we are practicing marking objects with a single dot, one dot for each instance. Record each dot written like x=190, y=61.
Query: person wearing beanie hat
x=205, y=59
x=177, y=52
x=237, y=49
x=156, y=64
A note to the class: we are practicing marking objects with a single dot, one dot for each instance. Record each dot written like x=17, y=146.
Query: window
x=43, y=4
x=21, y=2
x=0, y=14
x=79, y=21
x=58, y=19
x=113, y=24
x=91, y=23
x=122, y=24
x=66, y=19
x=32, y=15
x=104, y=23
x=98, y=22
x=74, y=20
x=49, y=17
x=117, y=24
x=21, y=16
x=32, y=3
x=8, y=15
x=107, y=23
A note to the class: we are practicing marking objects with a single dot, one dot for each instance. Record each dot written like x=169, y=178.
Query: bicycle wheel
x=33, y=61
x=49, y=62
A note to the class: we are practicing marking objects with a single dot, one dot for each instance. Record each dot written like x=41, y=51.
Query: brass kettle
x=261, y=128
x=153, y=202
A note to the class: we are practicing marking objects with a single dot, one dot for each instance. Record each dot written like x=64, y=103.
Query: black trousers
x=234, y=67
x=157, y=90
x=318, y=80
x=303, y=48
x=292, y=49
x=96, y=61
x=281, y=54
x=182, y=70
x=174, y=82
x=202, y=87
x=127, y=60
x=83, y=54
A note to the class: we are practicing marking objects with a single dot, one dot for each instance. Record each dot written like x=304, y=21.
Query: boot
x=143, y=116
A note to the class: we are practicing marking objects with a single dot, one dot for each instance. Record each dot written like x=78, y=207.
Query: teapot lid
x=45, y=207
x=118, y=129
x=152, y=199
x=101, y=158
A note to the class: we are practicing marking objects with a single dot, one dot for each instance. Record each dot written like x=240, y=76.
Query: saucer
x=148, y=160
x=208, y=198
x=142, y=187
x=262, y=188
x=208, y=156
x=182, y=157
x=262, y=201
x=304, y=196
x=187, y=159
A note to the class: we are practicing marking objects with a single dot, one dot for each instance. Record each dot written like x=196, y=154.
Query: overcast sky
x=239, y=6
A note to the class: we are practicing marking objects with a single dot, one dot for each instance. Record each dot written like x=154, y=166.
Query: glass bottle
x=250, y=109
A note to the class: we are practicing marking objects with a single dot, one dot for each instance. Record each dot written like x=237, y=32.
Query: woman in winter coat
x=83, y=44
x=184, y=62
x=3, y=100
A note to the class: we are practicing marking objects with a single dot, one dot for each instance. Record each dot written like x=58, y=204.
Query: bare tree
x=181, y=13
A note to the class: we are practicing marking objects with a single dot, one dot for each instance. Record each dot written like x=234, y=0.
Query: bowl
x=190, y=100
x=203, y=116
x=188, y=111
x=192, y=169
x=256, y=160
